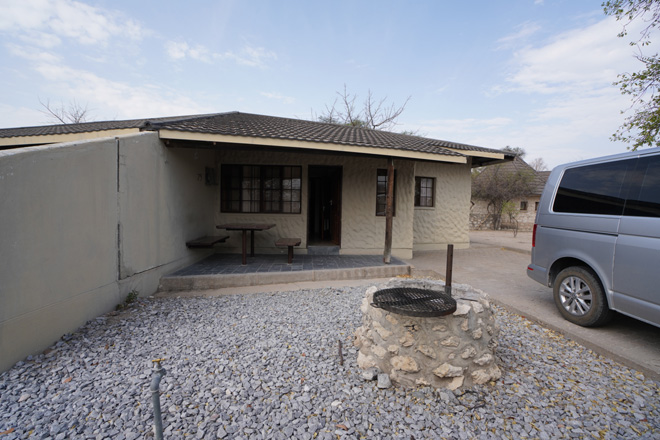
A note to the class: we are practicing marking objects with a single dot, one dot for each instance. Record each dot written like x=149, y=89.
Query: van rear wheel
x=580, y=298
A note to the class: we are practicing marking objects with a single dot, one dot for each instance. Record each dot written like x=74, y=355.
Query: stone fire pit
x=443, y=352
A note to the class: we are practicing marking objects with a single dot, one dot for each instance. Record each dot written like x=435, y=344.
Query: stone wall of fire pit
x=450, y=351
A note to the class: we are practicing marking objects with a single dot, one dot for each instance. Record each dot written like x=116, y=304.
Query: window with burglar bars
x=424, y=187
x=261, y=188
x=381, y=193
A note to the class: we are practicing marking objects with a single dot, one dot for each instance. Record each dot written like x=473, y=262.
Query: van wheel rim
x=575, y=296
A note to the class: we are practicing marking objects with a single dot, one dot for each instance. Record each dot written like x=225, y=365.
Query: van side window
x=644, y=198
x=593, y=189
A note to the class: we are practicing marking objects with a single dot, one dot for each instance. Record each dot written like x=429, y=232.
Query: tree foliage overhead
x=372, y=113
x=643, y=127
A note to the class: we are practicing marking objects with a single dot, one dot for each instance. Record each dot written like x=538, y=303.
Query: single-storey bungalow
x=92, y=211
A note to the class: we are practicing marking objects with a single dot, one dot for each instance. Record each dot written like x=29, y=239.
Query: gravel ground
x=267, y=366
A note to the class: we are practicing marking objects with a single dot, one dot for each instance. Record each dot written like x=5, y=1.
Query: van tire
x=580, y=298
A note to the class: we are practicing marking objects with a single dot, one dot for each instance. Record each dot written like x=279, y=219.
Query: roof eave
x=308, y=145
x=20, y=141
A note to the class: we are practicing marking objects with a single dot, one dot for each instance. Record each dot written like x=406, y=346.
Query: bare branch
x=74, y=114
x=373, y=114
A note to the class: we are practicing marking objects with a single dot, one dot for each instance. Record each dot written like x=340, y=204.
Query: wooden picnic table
x=244, y=228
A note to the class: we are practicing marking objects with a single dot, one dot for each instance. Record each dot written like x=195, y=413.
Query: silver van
x=596, y=238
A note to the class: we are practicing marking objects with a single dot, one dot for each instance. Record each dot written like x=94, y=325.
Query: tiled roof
x=539, y=182
x=83, y=127
x=266, y=127
x=517, y=165
x=247, y=124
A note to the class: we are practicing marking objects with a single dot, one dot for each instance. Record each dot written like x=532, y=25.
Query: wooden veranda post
x=389, y=211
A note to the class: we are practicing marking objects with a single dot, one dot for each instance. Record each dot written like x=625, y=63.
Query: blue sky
x=535, y=74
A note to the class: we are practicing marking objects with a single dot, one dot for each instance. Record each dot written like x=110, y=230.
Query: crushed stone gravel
x=266, y=366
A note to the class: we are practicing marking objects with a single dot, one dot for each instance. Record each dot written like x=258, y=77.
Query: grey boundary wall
x=85, y=223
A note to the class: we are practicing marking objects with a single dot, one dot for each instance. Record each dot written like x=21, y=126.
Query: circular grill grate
x=414, y=302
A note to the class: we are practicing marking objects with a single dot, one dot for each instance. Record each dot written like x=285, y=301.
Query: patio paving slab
x=225, y=270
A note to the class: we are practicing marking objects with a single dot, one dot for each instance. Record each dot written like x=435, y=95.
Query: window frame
x=418, y=192
x=261, y=189
x=523, y=205
x=380, y=174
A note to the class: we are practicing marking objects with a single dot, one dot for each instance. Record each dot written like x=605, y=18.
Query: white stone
x=477, y=334
x=391, y=319
x=427, y=351
x=452, y=341
x=365, y=361
x=407, y=339
x=456, y=383
x=477, y=307
x=394, y=349
x=440, y=328
x=448, y=370
x=379, y=351
x=469, y=352
x=462, y=308
x=484, y=359
x=382, y=331
x=371, y=290
x=404, y=363
x=480, y=377
x=465, y=325
x=364, y=307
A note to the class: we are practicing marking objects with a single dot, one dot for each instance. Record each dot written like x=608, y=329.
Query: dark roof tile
x=260, y=126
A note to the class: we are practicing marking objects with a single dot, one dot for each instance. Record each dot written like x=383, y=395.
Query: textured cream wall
x=447, y=222
x=362, y=232
x=63, y=212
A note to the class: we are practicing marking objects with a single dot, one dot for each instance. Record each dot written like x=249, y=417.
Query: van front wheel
x=580, y=298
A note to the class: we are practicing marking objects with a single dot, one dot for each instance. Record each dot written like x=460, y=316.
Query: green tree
x=642, y=128
x=499, y=184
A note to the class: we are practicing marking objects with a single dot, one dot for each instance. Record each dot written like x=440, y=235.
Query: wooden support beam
x=389, y=211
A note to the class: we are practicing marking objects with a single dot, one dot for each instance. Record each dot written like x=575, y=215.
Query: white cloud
x=248, y=55
x=525, y=31
x=573, y=61
x=116, y=99
x=459, y=129
x=51, y=20
x=180, y=51
x=279, y=96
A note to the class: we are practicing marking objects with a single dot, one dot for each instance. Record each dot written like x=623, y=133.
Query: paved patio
x=226, y=270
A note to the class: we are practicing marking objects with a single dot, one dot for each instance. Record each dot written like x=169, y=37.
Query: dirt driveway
x=496, y=263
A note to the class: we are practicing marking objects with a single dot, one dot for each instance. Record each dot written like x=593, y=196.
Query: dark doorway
x=324, y=216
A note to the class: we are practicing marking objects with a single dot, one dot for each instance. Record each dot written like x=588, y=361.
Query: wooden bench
x=290, y=243
x=206, y=242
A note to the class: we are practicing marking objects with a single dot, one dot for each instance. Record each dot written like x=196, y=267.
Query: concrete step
x=202, y=282
x=322, y=250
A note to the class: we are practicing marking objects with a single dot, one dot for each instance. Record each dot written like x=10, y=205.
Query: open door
x=324, y=212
